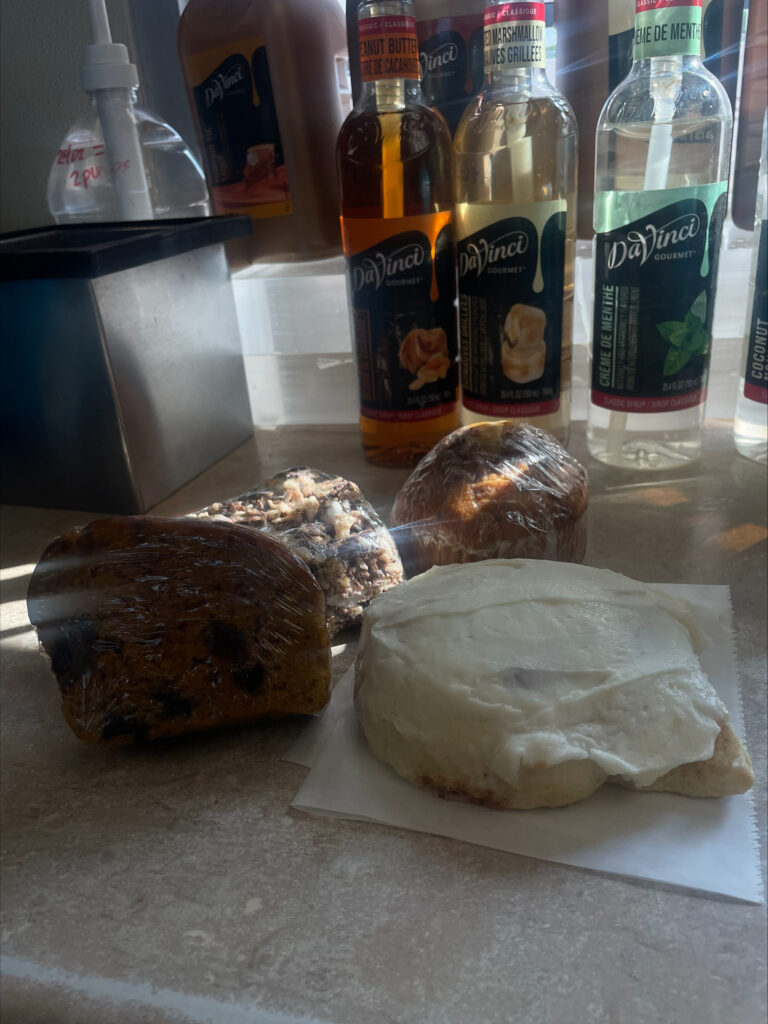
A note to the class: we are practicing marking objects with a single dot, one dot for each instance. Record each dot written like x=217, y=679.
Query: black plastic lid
x=93, y=250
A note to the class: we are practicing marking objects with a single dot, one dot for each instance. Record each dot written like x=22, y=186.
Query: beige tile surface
x=173, y=884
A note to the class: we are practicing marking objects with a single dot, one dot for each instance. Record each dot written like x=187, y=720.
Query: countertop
x=172, y=883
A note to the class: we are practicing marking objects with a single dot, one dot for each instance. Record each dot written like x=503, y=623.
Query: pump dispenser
x=118, y=161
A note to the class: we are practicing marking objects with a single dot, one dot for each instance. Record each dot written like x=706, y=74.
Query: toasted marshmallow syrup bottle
x=394, y=160
x=661, y=182
x=515, y=191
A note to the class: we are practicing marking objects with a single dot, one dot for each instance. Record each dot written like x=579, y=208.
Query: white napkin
x=709, y=845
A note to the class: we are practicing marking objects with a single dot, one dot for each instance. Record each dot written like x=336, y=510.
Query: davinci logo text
x=641, y=245
x=374, y=270
x=439, y=58
x=221, y=83
x=480, y=254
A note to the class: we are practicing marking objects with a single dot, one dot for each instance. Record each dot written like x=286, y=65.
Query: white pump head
x=109, y=74
x=105, y=64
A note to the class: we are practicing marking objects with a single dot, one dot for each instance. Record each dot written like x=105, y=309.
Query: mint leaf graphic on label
x=696, y=343
x=675, y=361
x=687, y=337
x=699, y=307
x=692, y=322
x=671, y=330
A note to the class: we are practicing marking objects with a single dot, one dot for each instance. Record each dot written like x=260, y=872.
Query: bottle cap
x=106, y=66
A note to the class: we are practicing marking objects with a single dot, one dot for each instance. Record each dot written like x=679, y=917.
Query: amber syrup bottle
x=394, y=158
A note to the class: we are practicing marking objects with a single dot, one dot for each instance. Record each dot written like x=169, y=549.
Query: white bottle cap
x=106, y=66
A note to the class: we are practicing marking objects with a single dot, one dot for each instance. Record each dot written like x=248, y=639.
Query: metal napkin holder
x=121, y=368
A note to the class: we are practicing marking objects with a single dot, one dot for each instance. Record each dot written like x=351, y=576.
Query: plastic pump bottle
x=118, y=162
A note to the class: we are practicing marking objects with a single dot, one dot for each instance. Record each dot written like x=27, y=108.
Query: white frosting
x=489, y=665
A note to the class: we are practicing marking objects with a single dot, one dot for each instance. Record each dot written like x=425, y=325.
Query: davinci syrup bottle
x=263, y=88
x=394, y=155
x=515, y=191
x=450, y=53
x=750, y=424
x=663, y=145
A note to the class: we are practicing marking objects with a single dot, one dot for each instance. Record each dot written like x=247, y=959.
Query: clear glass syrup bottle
x=515, y=190
x=661, y=181
x=394, y=161
x=750, y=423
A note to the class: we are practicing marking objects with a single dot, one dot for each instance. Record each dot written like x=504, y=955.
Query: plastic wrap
x=520, y=683
x=492, y=490
x=327, y=522
x=157, y=627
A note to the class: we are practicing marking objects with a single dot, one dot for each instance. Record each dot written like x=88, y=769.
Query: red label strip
x=515, y=12
x=756, y=392
x=659, y=5
x=507, y=410
x=394, y=23
x=626, y=403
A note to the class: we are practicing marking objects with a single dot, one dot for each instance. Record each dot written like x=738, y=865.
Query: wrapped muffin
x=492, y=490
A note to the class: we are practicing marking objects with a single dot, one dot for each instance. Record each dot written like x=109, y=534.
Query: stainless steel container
x=121, y=370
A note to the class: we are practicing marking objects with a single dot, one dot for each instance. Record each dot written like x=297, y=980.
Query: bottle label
x=656, y=256
x=720, y=33
x=514, y=36
x=389, y=48
x=401, y=286
x=621, y=38
x=451, y=62
x=756, y=371
x=511, y=281
x=666, y=28
x=240, y=136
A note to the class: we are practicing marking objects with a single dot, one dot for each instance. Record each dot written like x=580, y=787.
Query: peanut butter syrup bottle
x=394, y=160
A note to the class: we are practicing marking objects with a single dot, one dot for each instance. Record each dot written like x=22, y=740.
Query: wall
x=41, y=45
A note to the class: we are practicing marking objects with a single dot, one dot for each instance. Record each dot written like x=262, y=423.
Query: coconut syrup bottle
x=750, y=424
x=394, y=160
x=661, y=170
x=515, y=190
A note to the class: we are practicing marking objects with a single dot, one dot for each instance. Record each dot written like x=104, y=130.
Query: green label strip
x=667, y=32
x=616, y=209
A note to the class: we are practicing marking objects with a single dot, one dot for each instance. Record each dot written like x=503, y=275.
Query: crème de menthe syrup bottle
x=661, y=185
x=394, y=160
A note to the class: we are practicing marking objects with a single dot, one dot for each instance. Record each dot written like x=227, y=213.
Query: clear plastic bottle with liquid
x=117, y=161
x=81, y=184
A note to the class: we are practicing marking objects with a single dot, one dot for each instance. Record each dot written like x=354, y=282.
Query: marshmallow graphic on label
x=523, y=349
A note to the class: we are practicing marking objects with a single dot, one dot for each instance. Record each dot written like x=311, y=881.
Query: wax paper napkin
x=708, y=845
